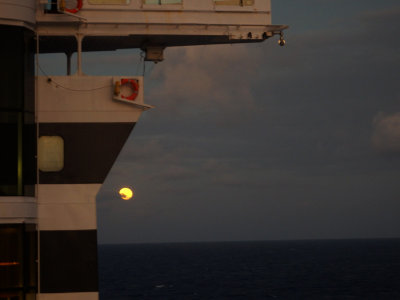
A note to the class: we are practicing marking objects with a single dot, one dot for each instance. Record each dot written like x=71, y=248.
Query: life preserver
x=134, y=86
x=78, y=7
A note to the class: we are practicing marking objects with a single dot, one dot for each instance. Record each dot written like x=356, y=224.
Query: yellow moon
x=126, y=193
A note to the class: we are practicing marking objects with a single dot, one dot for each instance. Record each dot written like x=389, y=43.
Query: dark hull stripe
x=90, y=150
x=68, y=261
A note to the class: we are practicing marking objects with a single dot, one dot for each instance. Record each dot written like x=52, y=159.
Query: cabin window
x=51, y=153
x=112, y=2
x=163, y=1
x=234, y=2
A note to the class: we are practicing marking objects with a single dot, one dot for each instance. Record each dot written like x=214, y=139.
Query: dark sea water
x=320, y=269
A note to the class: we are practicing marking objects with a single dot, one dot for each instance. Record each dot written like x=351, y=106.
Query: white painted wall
x=189, y=12
x=18, y=13
x=67, y=206
x=83, y=99
x=18, y=210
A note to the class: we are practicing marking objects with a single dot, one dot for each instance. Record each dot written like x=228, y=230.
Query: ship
x=62, y=134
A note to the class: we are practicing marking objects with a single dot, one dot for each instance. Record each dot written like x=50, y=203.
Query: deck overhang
x=137, y=25
x=137, y=36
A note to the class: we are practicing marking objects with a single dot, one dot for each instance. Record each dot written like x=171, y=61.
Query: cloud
x=386, y=133
x=204, y=80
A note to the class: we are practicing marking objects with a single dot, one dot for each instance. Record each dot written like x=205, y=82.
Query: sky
x=261, y=142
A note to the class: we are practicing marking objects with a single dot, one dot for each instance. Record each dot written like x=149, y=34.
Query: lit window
x=51, y=153
x=234, y=2
x=162, y=1
x=114, y=2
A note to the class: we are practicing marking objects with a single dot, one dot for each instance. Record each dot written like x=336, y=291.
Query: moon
x=126, y=193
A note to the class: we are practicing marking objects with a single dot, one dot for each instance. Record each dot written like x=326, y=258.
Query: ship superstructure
x=61, y=134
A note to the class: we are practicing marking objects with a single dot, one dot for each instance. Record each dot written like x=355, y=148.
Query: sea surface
x=311, y=269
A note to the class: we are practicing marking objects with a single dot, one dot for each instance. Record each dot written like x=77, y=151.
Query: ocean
x=309, y=269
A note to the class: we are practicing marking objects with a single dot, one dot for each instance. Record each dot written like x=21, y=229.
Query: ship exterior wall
x=93, y=129
x=70, y=296
x=90, y=150
x=18, y=13
x=67, y=204
x=54, y=223
x=18, y=215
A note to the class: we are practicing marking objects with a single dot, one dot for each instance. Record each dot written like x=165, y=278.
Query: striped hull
x=48, y=225
x=93, y=130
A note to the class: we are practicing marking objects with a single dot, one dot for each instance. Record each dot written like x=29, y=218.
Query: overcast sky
x=260, y=142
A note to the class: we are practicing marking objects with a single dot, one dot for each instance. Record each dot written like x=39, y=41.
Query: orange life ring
x=78, y=7
x=135, y=88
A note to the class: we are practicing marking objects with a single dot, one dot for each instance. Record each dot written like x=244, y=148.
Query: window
x=114, y=2
x=234, y=2
x=51, y=153
x=18, y=261
x=162, y=1
x=17, y=122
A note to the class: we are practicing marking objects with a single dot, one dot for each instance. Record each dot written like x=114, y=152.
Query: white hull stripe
x=18, y=210
x=83, y=99
x=67, y=206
